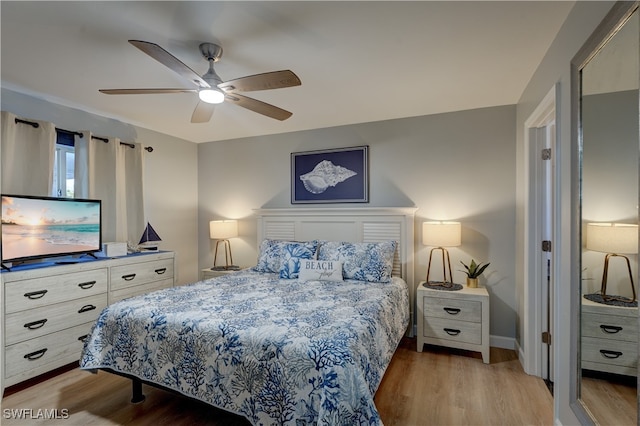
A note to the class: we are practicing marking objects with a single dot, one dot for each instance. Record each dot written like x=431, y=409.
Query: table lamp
x=222, y=230
x=614, y=239
x=441, y=235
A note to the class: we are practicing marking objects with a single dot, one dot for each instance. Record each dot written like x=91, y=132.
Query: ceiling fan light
x=211, y=96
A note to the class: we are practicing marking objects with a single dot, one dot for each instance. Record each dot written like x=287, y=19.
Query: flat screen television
x=42, y=227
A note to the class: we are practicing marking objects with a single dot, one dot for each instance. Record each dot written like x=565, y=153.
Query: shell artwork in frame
x=323, y=175
x=330, y=176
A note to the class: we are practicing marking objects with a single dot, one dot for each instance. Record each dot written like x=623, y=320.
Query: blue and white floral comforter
x=276, y=351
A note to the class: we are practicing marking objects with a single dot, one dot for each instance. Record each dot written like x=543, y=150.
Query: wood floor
x=435, y=387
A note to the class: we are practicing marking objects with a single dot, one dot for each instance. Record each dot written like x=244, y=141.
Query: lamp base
x=226, y=268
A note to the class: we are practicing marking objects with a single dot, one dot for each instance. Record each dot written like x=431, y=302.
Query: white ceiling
x=358, y=61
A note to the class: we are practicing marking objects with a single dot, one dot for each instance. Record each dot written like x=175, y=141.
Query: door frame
x=535, y=305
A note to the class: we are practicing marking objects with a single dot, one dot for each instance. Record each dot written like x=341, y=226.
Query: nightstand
x=609, y=338
x=456, y=319
x=207, y=273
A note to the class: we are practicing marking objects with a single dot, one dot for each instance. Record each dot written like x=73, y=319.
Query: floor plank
x=438, y=386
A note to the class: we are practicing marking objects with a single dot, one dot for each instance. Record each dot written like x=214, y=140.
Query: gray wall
x=170, y=178
x=455, y=166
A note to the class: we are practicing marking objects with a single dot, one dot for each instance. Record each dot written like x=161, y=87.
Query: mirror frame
x=610, y=25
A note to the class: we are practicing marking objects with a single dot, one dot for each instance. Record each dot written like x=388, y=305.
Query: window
x=64, y=165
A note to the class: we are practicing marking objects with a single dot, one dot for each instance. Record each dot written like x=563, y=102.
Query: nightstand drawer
x=609, y=352
x=624, y=328
x=461, y=310
x=461, y=331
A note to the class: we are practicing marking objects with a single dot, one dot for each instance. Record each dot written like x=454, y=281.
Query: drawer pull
x=35, y=355
x=452, y=311
x=86, y=308
x=87, y=285
x=452, y=331
x=35, y=294
x=610, y=329
x=83, y=338
x=128, y=277
x=610, y=354
x=161, y=271
x=34, y=325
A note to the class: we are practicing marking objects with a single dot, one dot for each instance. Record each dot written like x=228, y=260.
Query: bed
x=302, y=337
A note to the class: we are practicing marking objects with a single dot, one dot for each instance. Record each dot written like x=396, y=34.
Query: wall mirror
x=606, y=81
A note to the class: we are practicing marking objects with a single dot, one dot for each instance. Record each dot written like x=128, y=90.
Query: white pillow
x=321, y=270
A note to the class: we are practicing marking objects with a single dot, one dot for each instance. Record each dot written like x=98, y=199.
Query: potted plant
x=473, y=271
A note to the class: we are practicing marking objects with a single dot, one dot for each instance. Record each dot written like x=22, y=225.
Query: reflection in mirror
x=609, y=219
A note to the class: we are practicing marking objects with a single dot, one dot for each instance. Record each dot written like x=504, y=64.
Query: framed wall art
x=330, y=176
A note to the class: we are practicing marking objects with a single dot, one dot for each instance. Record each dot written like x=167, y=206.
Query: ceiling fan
x=210, y=87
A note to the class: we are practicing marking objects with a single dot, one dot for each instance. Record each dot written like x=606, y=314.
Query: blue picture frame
x=338, y=175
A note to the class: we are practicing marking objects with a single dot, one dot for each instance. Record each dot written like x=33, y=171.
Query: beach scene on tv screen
x=42, y=227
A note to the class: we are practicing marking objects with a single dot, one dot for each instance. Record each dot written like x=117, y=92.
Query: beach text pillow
x=321, y=270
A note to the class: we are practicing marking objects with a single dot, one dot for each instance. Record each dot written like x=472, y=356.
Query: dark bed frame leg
x=137, y=395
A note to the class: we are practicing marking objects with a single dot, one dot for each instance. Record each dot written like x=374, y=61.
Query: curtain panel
x=27, y=156
x=112, y=172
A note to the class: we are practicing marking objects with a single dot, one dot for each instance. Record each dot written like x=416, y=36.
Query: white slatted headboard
x=365, y=224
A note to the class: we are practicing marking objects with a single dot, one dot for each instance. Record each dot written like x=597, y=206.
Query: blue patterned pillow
x=292, y=254
x=372, y=262
x=272, y=252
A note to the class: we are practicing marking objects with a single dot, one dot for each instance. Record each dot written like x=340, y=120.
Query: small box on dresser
x=456, y=319
x=609, y=338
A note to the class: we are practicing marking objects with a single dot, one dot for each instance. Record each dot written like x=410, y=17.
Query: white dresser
x=609, y=338
x=455, y=319
x=48, y=311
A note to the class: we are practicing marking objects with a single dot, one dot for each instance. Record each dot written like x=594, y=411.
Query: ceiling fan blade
x=144, y=91
x=265, y=81
x=170, y=61
x=202, y=113
x=258, y=106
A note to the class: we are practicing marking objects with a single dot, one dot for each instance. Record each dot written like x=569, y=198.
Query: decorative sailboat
x=149, y=239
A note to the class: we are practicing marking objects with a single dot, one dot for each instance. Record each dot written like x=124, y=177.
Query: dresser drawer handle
x=86, y=308
x=35, y=355
x=452, y=331
x=452, y=311
x=87, y=285
x=83, y=338
x=610, y=354
x=610, y=329
x=36, y=294
x=161, y=271
x=128, y=277
x=34, y=325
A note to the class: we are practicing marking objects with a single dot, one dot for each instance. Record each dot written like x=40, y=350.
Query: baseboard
x=502, y=342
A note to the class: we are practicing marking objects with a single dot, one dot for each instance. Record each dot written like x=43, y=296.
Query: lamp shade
x=223, y=229
x=612, y=237
x=441, y=234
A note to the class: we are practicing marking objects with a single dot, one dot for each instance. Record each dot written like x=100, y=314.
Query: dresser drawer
x=461, y=331
x=624, y=328
x=34, y=293
x=609, y=352
x=462, y=310
x=138, y=290
x=141, y=273
x=44, y=353
x=25, y=325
